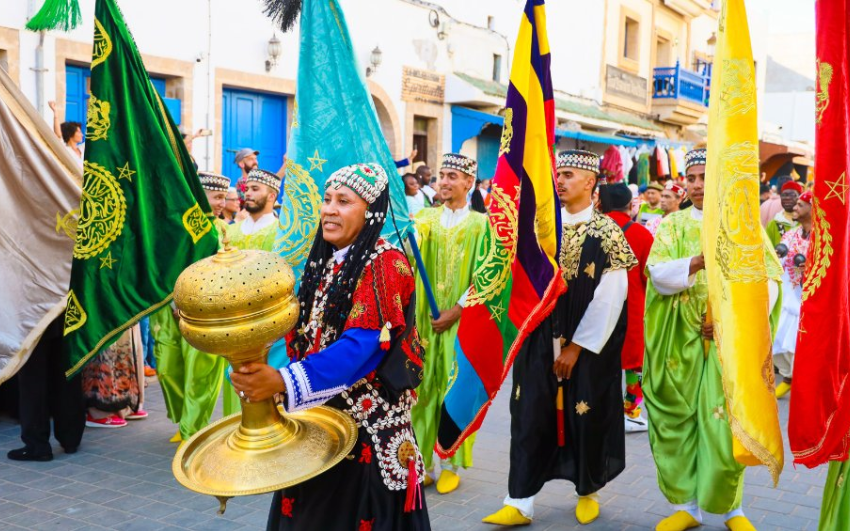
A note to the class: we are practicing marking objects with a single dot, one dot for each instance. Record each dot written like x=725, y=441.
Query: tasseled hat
x=264, y=177
x=366, y=180
x=580, y=159
x=213, y=181
x=695, y=157
x=461, y=163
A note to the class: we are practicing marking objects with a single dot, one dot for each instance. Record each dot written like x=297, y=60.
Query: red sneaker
x=138, y=415
x=150, y=371
x=109, y=422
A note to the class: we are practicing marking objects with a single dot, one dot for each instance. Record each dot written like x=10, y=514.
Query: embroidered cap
x=578, y=158
x=695, y=157
x=213, y=181
x=366, y=180
x=461, y=163
x=264, y=177
x=806, y=197
x=675, y=188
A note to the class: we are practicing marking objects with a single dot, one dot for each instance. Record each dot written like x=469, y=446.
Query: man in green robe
x=689, y=430
x=784, y=221
x=190, y=379
x=257, y=231
x=449, y=237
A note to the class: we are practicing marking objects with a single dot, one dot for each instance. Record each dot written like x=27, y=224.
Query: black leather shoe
x=28, y=454
x=70, y=449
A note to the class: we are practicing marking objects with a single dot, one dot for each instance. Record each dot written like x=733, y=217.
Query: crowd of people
x=636, y=302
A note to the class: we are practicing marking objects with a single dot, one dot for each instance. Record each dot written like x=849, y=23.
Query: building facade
x=626, y=72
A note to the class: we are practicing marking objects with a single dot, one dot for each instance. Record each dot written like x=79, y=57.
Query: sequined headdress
x=461, y=163
x=264, y=177
x=578, y=158
x=213, y=181
x=695, y=157
x=366, y=180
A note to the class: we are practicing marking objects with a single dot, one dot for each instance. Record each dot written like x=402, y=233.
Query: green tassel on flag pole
x=56, y=14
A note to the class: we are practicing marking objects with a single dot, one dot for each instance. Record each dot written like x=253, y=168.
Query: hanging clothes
x=612, y=165
x=643, y=172
x=674, y=168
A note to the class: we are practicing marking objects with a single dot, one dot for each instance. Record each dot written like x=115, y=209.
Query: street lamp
x=273, y=50
x=375, y=58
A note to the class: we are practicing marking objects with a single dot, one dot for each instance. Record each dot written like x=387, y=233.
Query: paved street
x=121, y=479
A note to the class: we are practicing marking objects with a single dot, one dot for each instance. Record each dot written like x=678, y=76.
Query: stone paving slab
x=121, y=480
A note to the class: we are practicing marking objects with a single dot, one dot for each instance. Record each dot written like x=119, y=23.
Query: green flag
x=143, y=216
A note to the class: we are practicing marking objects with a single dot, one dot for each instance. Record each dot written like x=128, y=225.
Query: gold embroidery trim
x=97, y=119
x=821, y=251
x=498, y=250
x=102, y=45
x=507, y=132
x=299, y=215
x=196, y=222
x=75, y=315
x=824, y=80
x=102, y=211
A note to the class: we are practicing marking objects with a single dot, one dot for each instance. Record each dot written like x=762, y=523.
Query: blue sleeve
x=321, y=376
x=402, y=163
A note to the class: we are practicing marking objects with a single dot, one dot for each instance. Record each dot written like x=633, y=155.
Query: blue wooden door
x=76, y=93
x=253, y=120
x=489, y=142
x=77, y=88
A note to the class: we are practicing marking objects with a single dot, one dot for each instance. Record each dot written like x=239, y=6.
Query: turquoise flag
x=335, y=124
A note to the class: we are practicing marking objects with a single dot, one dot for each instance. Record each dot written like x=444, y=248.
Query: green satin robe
x=689, y=430
x=448, y=255
x=190, y=379
x=835, y=509
x=262, y=240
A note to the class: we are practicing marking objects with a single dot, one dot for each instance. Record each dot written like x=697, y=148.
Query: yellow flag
x=734, y=248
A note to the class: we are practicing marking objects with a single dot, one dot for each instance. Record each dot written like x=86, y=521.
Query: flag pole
x=420, y=266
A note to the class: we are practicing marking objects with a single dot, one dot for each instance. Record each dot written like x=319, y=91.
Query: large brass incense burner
x=236, y=304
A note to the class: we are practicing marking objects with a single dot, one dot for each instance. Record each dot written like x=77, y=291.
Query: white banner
x=40, y=187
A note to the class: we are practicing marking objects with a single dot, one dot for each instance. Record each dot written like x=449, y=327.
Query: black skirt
x=594, y=452
x=366, y=491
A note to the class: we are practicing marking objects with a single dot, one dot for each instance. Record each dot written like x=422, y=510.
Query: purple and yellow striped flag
x=515, y=280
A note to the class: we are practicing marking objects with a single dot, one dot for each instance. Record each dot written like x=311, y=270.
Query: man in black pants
x=46, y=393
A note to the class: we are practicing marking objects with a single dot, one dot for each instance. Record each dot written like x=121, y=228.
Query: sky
x=787, y=16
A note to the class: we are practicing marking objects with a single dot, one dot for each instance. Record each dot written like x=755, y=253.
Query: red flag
x=819, y=426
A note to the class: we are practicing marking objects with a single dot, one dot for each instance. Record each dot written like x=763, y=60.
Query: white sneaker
x=636, y=424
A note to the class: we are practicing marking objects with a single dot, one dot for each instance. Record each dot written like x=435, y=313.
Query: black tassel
x=283, y=12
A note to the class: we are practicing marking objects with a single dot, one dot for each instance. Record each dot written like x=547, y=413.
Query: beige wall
x=10, y=45
x=613, y=44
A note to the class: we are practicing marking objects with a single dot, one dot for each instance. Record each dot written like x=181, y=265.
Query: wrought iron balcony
x=677, y=83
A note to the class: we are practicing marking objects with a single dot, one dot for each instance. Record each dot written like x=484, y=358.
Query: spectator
x=231, y=206
x=403, y=163
x=113, y=383
x=773, y=206
x=246, y=159
x=671, y=198
x=424, y=174
x=188, y=139
x=652, y=207
x=416, y=199
x=71, y=134
x=764, y=192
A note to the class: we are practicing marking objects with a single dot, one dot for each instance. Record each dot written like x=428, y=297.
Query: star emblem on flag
x=316, y=161
x=838, y=188
x=107, y=261
x=124, y=172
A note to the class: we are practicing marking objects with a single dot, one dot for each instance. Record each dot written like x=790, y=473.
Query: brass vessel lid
x=236, y=300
